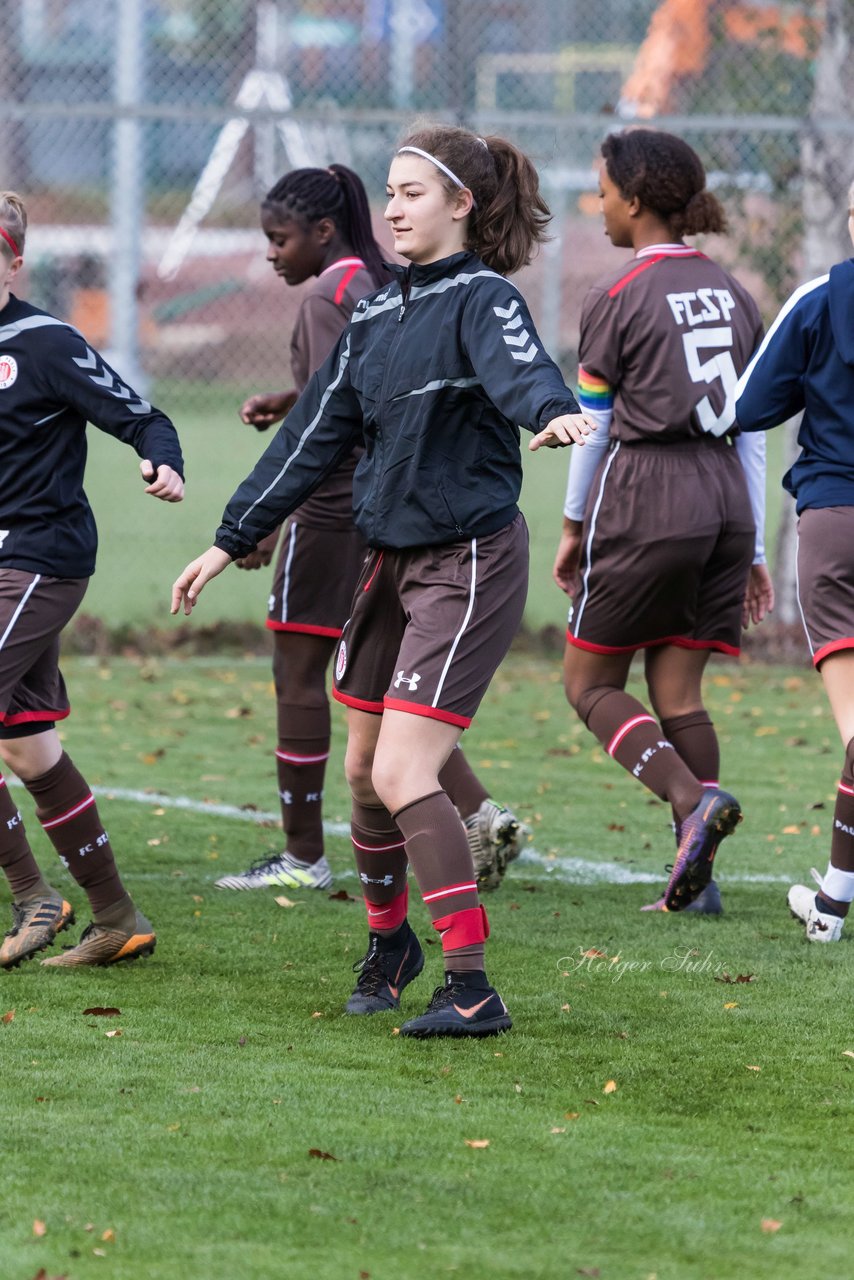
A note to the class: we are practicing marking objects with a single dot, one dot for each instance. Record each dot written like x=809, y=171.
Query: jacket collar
x=418, y=273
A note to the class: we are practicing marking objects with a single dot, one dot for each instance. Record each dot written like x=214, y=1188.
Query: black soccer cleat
x=457, y=1009
x=384, y=974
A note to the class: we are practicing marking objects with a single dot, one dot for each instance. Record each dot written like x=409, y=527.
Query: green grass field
x=145, y=545
x=191, y=1145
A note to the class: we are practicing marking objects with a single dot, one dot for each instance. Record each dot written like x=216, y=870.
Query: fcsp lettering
x=705, y=304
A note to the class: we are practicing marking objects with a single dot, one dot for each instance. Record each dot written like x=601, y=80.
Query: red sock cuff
x=388, y=916
x=463, y=928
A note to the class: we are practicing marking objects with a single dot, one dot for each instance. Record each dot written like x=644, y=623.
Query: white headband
x=438, y=163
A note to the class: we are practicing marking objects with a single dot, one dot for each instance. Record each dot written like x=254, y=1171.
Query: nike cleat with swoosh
x=458, y=1009
x=384, y=974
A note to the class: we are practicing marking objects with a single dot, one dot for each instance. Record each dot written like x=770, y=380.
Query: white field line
x=568, y=870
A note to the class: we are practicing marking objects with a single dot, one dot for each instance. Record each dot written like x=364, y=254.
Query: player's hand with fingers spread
x=263, y=410
x=188, y=587
x=162, y=482
x=569, y=428
x=759, y=597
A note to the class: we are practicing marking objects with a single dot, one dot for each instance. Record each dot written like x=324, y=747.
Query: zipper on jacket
x=404, y=295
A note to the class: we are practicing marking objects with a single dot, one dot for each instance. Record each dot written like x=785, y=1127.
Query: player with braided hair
x=318, y=228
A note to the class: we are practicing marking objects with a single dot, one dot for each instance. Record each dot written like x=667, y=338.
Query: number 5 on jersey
x=717, y=366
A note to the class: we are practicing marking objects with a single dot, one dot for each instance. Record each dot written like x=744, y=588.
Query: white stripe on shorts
x=458, y=637
x=585, y=580
x=14, y=618
x=798, y=597
x=286, y=577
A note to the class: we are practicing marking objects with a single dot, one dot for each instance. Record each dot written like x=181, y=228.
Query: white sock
x=838, y=884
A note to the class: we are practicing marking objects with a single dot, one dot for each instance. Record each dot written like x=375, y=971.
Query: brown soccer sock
x=381, y=864
x=304, y=730
x=633, y=738
x=466, y=790
x=16, y=856
x=67, y=811
x=441, y=862
x=301, y=768
x=693, y=736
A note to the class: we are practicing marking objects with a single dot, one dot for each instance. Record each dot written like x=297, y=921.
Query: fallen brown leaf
x=109, y=1235
x=593, y=954
x=282, y=901
x=848, y=1053
x=341, y=896
x=39, y=1228
x=9, y=1017
x=754, y=1068
x=610, y=1087
x=731, y=1004
x=477, y=1143
x=571, y=1115
x=317, y=1154
x=111, y=1034
x=102, y=1011
x=555, y=1130
x=770, y=1225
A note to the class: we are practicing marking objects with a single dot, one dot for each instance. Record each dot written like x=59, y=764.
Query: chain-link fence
x=144, y=133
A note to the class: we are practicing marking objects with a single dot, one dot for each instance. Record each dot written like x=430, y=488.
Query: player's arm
x=322, y=428
x=596, y=398
x=759, y=597
x=78, y=376
x=508, y=357
x=771, y=389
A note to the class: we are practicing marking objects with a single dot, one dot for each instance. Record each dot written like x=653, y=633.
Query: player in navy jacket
x=433, y=376
x=51, y=384
x=806, y=365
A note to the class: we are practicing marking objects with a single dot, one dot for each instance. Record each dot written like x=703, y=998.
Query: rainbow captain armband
x=594, y=393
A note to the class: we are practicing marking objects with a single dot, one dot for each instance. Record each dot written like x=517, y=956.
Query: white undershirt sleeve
x=583, y=463
x=751, y=452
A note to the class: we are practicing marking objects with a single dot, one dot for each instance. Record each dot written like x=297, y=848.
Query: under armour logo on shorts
x=410, y=681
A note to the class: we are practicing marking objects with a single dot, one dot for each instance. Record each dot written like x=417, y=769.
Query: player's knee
x=357, y=769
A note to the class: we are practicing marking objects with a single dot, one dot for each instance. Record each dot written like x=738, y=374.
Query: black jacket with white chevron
x=51, y=384
x=434, y=375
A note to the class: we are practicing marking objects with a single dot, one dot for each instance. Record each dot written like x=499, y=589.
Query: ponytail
x=667, y=176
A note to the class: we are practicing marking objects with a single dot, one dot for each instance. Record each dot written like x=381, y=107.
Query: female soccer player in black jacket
x=433, y=376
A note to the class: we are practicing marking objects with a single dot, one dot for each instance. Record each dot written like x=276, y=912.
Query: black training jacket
x=433, y=375
x=51, y=384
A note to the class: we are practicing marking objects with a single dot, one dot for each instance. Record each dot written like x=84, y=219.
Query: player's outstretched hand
x=188, y=587
x=262, y=411
x=569, y=428
x=164, y=483
x=568, y=554
x=759, y=597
